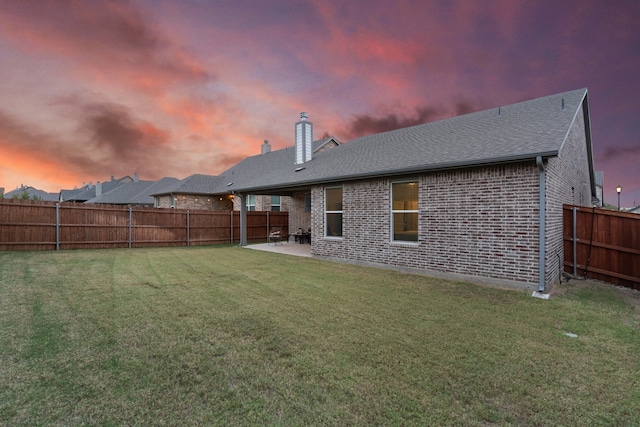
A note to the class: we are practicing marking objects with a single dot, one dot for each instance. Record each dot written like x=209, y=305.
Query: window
x=251, y=202
x=275, y=204
x=172, y=201
x=333, y=212
x=404, y=211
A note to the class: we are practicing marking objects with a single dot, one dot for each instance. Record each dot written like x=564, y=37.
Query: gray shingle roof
x=88, y=192
x=33, y=192
x=511, y=133
x=133, y=193
x=194, y=184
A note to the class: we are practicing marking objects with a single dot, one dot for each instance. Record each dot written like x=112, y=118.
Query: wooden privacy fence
x=602, y=244
x=31, y=225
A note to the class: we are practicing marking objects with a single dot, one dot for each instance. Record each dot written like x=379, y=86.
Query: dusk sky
x=173, y=88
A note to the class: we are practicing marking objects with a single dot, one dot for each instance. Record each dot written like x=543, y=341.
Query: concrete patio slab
x=287, y=248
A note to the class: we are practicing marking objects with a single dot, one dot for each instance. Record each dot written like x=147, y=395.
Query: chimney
x=113, y=178
x=135, y=177
x=266, y=148
x=304, y=139
x=98, y=189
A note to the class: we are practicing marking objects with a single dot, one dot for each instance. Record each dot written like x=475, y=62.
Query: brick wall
x=298, y=217
x=263, y=203
x=197, y=202
x=567, y=182
x=478, y=222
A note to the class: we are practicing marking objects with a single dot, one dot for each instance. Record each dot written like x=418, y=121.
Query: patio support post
x=243, y=220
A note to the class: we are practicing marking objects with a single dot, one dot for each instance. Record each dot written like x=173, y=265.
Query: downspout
x=542, y=221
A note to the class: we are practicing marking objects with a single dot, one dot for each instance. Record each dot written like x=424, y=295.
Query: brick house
x=208, y=192
x=475, y=196
x=132, y=193
x=193, y=192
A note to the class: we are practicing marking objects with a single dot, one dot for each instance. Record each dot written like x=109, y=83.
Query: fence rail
x=602, y=244
x=34, y=225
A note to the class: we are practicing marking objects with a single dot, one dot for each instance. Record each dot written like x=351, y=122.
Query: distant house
x=200, y=191
x=31, y=193
x=89, y=191
x=133, y=193
x=475, y=196
x=599, y=178
x=193, y=192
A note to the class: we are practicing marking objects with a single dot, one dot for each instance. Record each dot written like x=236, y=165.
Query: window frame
x=278, y=205
x=251, y=202
x=334, y=212
x=393, y=212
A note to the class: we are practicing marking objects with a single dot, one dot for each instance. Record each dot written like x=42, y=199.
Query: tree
x=21, y=196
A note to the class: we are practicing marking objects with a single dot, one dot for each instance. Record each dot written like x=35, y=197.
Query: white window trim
x=249, y=206
x=333, y=212
x=393, y=211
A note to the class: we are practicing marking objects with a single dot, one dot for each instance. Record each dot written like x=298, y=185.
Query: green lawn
x=230, y=336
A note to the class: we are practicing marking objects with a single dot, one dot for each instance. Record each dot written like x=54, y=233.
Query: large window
x=275, y=204
x=333, y=212
x=404, y=211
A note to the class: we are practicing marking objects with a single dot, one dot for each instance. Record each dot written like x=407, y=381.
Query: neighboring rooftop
x=133, y=193
x=194, y=184
x=33, y=193
x=88, y=191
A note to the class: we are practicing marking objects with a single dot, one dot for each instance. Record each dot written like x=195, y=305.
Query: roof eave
x=397, y=172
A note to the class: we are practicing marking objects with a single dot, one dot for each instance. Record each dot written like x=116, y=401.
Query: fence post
x=268, y=228
x=130, y=225
x=57, y=226
x=575, y=242
x=231, y=227
x=188, y=241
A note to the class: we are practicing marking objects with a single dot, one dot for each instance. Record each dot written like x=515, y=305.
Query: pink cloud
x=107, y=41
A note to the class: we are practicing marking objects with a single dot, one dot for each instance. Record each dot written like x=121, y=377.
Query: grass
x=229, y=336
